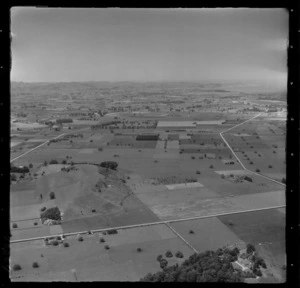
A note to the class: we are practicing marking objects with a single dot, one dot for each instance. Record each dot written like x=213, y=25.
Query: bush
x=139, y=249
x=80, y=238
x=198, y=172
x=257, y=170
x=52, y=195
x=211, y=166
x=112, y=231
x=55, y=243
x=169, y=254
x=51, y=213
x=15, y=225
x=17, y=267
x=35, y=223
x=179, y=254
x=193, y=157
x=35, y=265
x=270, y=166
x=109, y=164
x=191, y=232
x=102, y=240
x=66, y=244
x=107, y=247
x=43, y=209
x=93, y=210
x=251, y=163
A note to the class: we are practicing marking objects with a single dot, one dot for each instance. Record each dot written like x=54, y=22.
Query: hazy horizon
x=58, y=45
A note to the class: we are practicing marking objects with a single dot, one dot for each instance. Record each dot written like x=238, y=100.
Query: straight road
x=237, y=158
x=148, y=224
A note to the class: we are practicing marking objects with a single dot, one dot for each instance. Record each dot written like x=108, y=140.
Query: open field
x=92, y=262
x=176, y=177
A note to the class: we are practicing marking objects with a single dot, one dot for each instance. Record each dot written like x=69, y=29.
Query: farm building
x=210, y=155
x=148, y=136
x=175, y=124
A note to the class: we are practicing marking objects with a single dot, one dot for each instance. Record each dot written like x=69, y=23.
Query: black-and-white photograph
x=148, y=144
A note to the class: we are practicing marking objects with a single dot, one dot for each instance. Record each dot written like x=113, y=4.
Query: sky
x=113, y=44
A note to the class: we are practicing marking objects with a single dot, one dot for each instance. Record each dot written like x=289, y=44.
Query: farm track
x=237, y=158
x=148, y=224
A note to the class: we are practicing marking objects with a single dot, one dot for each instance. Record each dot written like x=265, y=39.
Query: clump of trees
x=169, y=254
x=51, y=213
x=23, y=169
x=53, y=162
x=209, y=266
x=109, y=165
x=179, y=254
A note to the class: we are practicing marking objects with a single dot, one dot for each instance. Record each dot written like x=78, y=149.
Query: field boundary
x=147, y=224
x=237, y=158
x=184, y=240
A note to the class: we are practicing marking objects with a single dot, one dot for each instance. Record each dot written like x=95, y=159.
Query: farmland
x=186, y=178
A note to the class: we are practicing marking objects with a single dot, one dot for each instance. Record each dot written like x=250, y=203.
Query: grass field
x=94, y=263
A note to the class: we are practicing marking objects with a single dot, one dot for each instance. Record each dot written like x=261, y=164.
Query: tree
x=17, y=267
x=30, y=165
x=45, y=163
x=15, y=225
x=250, y=248
x=52, y=195
x=169, y=254
x=53, y=161
x=35, y=265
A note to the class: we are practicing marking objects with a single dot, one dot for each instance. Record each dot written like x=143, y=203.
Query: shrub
x=109, y=164
x=179, y=254
x=211, y=166
x=52, y=195
x=193, y=157
x=198, y=172
x=251, y=163
x=35, y=265
x=15, y=225
x=191, y=232
x=17, y=267
x=270, y=166
x=107, y=247
x=257, y=170
x=139, y=249
x=112, y=231
x=102, y=240
x=43, y=209
x=51, y=213
x=169, y=254
x=66, y=244
x=64, y=161
x=35, y=223
x=80, y=238
x=30, y=165
x=55, y=243
x=93, y=210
